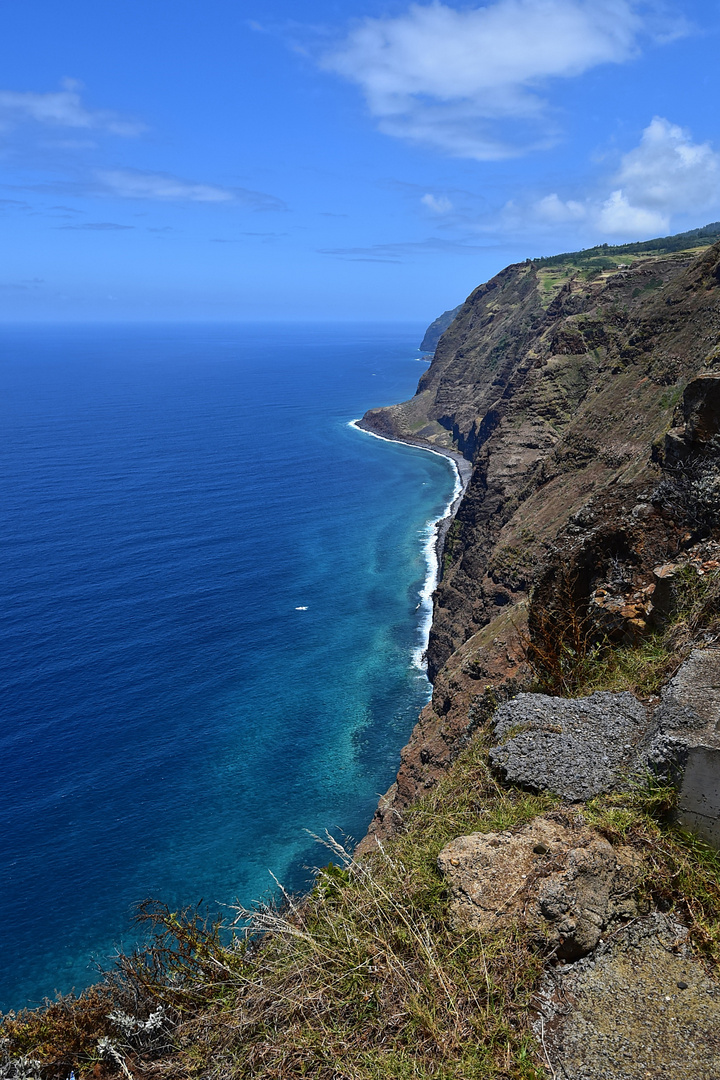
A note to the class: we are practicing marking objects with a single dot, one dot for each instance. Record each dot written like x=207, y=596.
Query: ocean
x=213, y=602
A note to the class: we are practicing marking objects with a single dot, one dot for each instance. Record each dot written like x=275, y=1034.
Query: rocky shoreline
x=463, y=469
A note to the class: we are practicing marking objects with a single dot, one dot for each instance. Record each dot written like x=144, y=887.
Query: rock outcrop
x=641, y=1006
x=684, y=743
x=574, y=748
x=560, y=878
x=588, y=402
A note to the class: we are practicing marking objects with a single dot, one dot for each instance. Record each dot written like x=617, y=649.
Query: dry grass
x=364, y=978
x=568, y=659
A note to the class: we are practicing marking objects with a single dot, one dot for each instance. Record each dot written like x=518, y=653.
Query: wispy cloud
x=437, y=204
x=397, y=252
x=455, y=79
x=97, y=226
x=60, y=109
x=25, y=285
x=665, y=175
x=164, y=187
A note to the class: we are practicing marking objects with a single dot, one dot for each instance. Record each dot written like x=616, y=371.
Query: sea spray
x=430, y=535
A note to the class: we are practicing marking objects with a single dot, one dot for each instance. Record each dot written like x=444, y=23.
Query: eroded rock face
x=556, y=405
x=576, y=747
x=640, y=1008
x=563, y=879
x=691, y=700
x=562, y=445
x=701, y=409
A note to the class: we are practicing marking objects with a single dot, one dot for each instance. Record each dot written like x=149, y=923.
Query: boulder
x=562, y=879
x=684, y=741
x=575, y=747
x=642, y=1007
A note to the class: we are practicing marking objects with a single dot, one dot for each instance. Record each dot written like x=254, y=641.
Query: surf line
x=434, y=536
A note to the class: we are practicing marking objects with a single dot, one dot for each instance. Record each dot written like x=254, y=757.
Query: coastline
x=437, y=530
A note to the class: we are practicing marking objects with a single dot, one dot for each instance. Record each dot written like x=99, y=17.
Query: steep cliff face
x=560, y=386
x=437, y=328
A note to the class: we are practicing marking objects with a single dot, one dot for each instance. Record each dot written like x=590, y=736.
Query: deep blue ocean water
x=170, y=722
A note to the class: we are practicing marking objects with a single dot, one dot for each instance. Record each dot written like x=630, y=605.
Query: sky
x=365, y=160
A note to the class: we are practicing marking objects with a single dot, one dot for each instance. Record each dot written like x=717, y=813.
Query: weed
x=567, y=658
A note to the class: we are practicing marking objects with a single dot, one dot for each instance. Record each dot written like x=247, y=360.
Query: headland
x=539, y=891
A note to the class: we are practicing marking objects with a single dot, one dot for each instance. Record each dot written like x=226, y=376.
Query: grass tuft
x=568, y=659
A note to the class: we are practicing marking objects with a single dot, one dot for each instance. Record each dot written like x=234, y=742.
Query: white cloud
x=442, y=76
x=552, y=208
x=60, y=109
x=438, y=204
x=163, y=187
x=666, y=174
x=134, y=184
x=618, y=217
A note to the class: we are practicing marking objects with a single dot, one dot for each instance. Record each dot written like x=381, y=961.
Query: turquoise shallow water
x=172, y=724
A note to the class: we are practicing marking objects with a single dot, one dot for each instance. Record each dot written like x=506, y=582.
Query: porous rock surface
x=562, y=879
x=576, y=748
x=641, y=1007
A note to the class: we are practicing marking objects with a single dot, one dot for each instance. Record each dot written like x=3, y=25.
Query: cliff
x=535, y=897
x=559, y=383
x=437, y=328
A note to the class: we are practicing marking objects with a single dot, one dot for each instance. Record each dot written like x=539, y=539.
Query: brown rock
x=562, y=447
x=563, y=879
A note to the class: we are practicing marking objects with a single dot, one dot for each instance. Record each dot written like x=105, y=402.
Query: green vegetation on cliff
x=608, y=254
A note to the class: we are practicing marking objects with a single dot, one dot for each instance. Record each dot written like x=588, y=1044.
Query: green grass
x=641, y=669
x=364, y=978
x=691, y=240
x=681, y=871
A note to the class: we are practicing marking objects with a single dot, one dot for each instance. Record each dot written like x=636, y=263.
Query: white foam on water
x=429, y=535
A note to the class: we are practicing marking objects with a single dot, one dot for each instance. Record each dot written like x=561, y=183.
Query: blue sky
x=366, y=160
